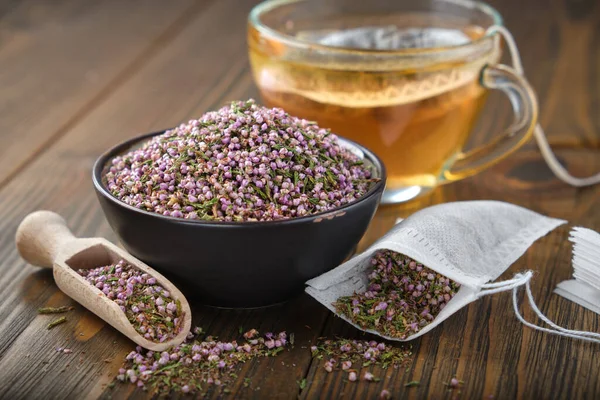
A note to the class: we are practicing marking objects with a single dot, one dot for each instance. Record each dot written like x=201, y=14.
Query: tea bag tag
x=584, y=289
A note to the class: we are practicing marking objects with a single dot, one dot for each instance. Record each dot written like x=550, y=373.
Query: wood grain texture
x=483, y=344
x=61, y=59
x=43, y=239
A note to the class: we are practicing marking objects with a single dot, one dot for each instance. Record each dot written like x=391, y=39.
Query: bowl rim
x=121, y=147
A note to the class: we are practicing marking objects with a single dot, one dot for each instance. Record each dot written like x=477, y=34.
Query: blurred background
x=109, y=69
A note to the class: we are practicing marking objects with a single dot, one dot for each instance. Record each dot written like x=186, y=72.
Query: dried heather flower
x=240, y=163
x=454, y=383
x=403, y=296
x=148, y=306
x=367, y=376
x=345, y=353
x=196, y=362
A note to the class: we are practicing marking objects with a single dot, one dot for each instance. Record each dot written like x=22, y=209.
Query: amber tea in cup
x=406, y=79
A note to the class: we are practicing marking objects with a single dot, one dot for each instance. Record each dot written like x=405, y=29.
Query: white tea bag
x=585, y=288
x=470, y=242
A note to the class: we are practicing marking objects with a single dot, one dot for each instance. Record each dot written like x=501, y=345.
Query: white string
x=546, y=320
x=540, y=137
x=518, y=280
x=523, y=280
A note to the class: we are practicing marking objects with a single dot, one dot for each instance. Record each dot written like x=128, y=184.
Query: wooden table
x=79, y=77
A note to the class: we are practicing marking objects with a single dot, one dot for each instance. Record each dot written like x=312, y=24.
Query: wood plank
x=483, y=344
x=549, y=39
x=86, y=50
x=161, y=94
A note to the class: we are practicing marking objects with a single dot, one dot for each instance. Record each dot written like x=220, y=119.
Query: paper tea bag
x=471, y=243
x=584, y=289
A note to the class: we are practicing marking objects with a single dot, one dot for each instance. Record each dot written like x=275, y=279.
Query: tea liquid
x=416, y=121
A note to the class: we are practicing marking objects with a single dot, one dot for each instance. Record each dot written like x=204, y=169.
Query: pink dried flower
x=352, y=376
x=411, y=295
x=191, y=364
x=130, y=288
x=454, y=383
x=229, y=166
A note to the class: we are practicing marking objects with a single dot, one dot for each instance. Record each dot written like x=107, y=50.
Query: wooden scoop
x=43, y=239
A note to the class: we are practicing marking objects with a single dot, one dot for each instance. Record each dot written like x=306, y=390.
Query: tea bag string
x=540, y=137
x=523, y=279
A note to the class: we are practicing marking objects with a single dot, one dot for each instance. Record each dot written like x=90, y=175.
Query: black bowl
x=239, y=264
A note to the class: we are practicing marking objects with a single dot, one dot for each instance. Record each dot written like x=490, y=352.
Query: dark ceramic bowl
x=239, y=264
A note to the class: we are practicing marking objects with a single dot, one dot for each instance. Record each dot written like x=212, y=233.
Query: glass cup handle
x=525, y=106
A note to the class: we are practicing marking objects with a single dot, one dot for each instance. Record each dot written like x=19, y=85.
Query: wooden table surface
x=78, y=77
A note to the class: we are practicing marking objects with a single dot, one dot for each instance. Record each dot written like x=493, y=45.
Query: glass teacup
x=405, y=78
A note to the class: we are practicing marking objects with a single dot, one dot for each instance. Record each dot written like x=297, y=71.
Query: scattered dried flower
x=345, y=353
x=196, y=362
x=454, y=383
x=352, y=376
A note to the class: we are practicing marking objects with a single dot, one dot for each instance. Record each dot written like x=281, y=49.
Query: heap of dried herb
x=148, y=306
x=352, y=355
x=198, y=362
x=240, y=163
x=403, y=296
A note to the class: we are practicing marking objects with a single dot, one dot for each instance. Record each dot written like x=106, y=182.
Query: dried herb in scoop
x=403, y=296
x=148, y=306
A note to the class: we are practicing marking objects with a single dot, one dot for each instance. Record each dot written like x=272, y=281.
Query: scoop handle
x=40, y=236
